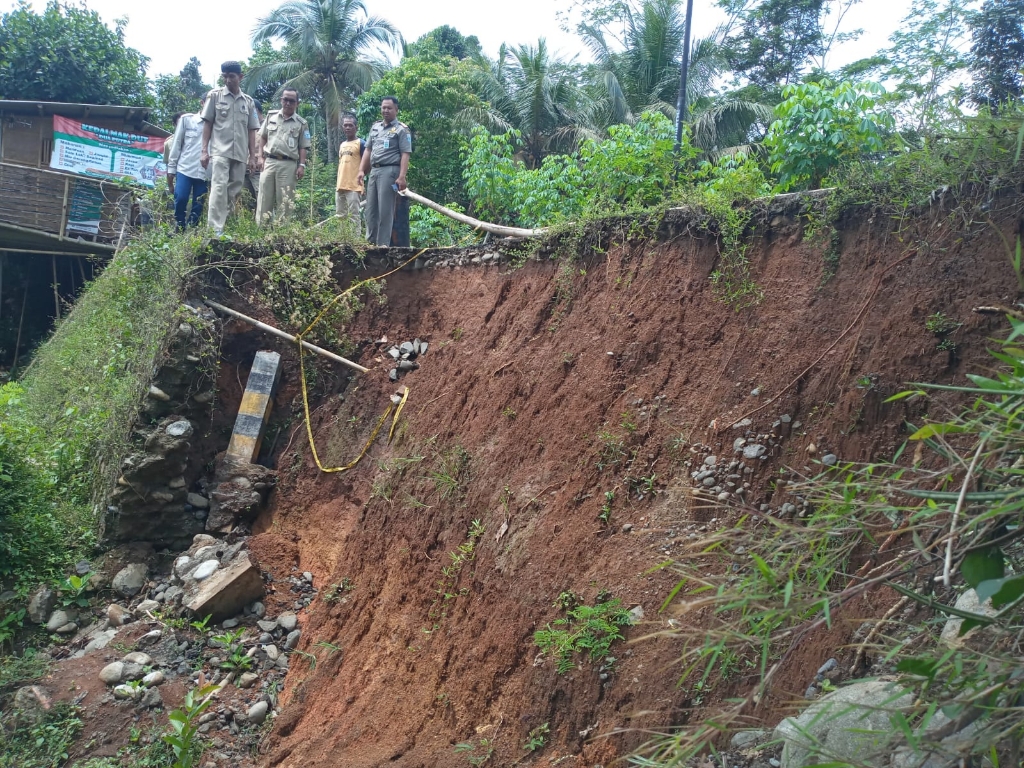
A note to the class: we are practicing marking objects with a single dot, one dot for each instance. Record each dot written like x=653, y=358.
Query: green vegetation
x=62, y=436
x=958, y=507
x=446, y=590
x=537, y=738
x=477, y=753
x=588, y=629
x=184, y=736
x=43, y=744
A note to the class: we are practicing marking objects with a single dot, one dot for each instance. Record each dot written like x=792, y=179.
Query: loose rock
x=130, y=579
x=112, y=673
x=257, y=712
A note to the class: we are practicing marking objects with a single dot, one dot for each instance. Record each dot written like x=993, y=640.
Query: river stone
x=753, y=451
x=118, y=615
x=59, y=619
x=293, y=639
x=181, y=428
x=147, y=605
x=31, y=703
x=267, y=625
x=844, y=726
x=247, y=679
x=130, y=579
x=205, y=570
x=747, y=739
x=153, y=678
x=138, y=657
x=829, y=459
x=257, y=712
x=197, y=501
x=151, y=698
x=125, y=692
x=111, y=674
x=272, y=652
x=132, y=671
x=67, y=629
x=968, y=601
x=288, y=621
x=40, y=604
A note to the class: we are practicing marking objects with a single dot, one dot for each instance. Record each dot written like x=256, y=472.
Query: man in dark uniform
x=387, y=155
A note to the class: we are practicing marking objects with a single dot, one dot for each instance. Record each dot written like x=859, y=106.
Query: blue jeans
x=184, y=187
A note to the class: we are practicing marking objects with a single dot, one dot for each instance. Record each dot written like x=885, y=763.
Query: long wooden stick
x=282, y=335
x=494, y=229
x=21, y=321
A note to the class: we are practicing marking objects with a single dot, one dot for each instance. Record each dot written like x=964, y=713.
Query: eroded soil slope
x=544, y=389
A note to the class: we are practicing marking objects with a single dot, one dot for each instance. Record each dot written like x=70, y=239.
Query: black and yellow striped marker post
x=254, y=411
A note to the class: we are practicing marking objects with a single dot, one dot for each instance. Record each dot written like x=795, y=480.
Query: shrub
x=821, y=125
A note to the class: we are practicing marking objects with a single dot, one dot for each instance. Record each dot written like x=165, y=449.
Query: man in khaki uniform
x=281, y=146
x=347, y=191
x=229, y=142
x=387, y=152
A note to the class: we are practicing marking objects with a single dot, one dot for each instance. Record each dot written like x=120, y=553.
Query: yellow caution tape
x=305, y=394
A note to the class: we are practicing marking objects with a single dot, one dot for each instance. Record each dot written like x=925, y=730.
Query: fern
x=589, y=629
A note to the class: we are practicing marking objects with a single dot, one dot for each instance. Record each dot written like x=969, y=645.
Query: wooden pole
x=64, y=209
x=21, y=320
x=81, y=269
x=494, y=229
x=282, y=335
x=3, y=258
x=56, y=294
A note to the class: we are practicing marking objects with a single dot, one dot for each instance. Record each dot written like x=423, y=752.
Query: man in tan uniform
x=229, y=142
x=387, y=152
x=346, y=194
x=281, y=146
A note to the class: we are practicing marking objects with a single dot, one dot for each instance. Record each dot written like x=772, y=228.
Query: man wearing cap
x=387, y=153
x=229, y=142
x=281, y=146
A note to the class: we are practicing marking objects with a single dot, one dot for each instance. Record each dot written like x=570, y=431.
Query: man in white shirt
x=185, y=174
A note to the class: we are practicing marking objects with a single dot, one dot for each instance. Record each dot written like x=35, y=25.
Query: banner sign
x=89, y=150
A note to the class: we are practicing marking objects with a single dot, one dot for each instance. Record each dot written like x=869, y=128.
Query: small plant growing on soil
x=478, y=753
x=613, y=448
x=200, y=626
x=508, y=412
x=184, y=740
x=335, y=591
x=942, y=326
x=451, y=473
x=537, y=738
x=446, y=586
x=606, y=509
x=72, y=590
x=589, y=629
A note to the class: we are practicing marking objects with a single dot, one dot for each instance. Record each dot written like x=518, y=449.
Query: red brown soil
x=523, y=376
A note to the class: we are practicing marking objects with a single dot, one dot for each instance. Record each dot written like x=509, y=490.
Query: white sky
x=172, y=31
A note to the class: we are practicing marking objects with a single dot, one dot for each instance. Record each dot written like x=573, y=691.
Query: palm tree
x=640, y=73
x=537, y=95
x=337, y=52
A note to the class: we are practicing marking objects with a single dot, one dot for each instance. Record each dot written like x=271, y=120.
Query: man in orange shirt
x=346, y=196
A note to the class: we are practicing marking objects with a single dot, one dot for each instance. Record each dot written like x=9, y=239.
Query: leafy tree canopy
x=997, y=53
x=82, y=60
x=178, y=93
x=446, y=41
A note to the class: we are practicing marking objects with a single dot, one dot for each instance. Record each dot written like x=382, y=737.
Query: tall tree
x=178, y=93
x=338, y=53
x=539, y=96
x=67, y=53
x=639, y=69
x=776, y=41
x=928, y=53
x=997, y=52
x=446, y=41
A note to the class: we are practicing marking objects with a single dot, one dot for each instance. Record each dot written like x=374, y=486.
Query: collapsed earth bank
x=572, y=407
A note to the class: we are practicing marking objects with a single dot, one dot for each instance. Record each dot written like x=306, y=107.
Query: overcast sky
x=171, y=32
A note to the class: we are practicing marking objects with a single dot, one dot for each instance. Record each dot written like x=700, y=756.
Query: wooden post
x=254, y=410
x=21, y=320
x=64, y=210
x=3, y=258
x=56, y=293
